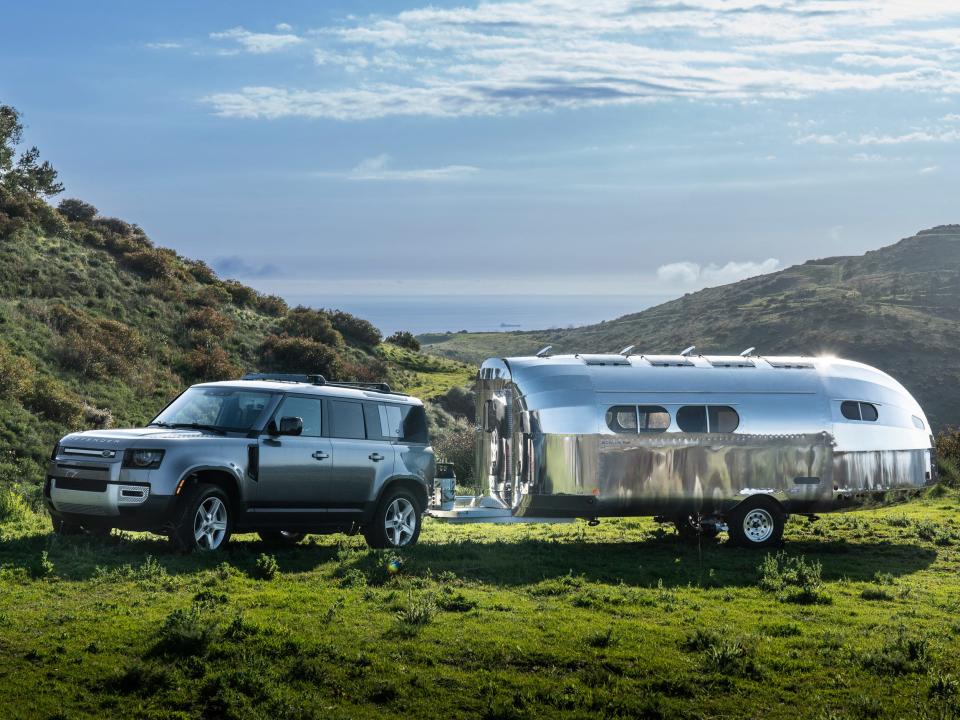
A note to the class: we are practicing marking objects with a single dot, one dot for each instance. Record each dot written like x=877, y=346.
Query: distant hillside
x=897, y=308
x=99, y=327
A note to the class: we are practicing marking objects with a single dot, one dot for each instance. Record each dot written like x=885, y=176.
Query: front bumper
x=129, y=506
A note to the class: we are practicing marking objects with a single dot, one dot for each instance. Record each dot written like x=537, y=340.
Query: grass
x=620, y=620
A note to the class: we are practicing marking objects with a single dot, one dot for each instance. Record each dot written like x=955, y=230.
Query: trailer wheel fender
x=757, y=522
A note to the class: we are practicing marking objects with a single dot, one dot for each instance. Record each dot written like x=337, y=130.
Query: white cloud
x=378, y=169
x=928, y=170
x=258, y=43
x=690, y=274
x=817, y=140
x=163, y=45
x=542, y=55
x=283, y=27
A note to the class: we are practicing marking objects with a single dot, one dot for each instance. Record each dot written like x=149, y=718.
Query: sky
x=618, y=147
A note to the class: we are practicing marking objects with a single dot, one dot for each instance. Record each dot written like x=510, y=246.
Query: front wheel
x=396, y=522
x=757, y=523
x=203, y=520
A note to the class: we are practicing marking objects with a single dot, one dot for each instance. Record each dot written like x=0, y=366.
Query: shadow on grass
x=518, y=562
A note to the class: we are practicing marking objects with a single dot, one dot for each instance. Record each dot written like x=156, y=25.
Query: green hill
x=100, y=327
x=897, y=308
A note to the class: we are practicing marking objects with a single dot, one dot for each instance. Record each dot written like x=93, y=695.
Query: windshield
x=219, y=408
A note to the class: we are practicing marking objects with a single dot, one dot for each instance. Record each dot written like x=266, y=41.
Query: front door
x=295, y=471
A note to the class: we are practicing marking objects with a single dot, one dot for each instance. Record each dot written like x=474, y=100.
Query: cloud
x=238, y=267
x=928, y=170
x=283, y=27
x=258, y=43
x=544, y=55
x=690, y=274
x=377, y=169
x=163, y=45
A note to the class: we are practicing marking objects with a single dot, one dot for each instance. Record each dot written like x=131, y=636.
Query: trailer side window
x=723, y=419
x=692, y=418
x=652, y=419
x=622, y=419
x=853, y=410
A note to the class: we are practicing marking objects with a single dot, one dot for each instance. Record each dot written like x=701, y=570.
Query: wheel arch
x=212, y=475
x=778, y=497
x=408, y=482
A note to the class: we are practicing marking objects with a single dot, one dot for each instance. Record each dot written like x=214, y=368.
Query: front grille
x=81, y=509
x=98, y=486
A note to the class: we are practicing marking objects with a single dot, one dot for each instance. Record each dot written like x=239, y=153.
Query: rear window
x=407, y=423
x=346, y=420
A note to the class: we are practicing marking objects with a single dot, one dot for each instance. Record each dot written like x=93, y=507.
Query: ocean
x=496, y=313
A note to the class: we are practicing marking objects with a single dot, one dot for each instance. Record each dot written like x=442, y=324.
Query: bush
x=51, y=399
x=210, y=362
x=355, y=330
x=13, y=508
x=416, y=615
x=42, y=566
x=243, y=296
x=299, y=355
x=151, y=262
x=211, y=296
x=187, y=632
x=459, y=402
x=208, y=320
x=311, y=324
x=456, y=445
x=370, y=370
x=267, y=567
x=794, y=578
x=405, y=339
x=15, y=375
x=96, y=347
x=77, y=210
x=201, y=272
x=272, y=305
x=948, y=445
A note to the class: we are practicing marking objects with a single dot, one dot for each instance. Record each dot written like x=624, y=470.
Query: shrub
x=272, y=305
x=899, y=656
x=210, y=363
x=948, y=445
x=267, y=567
x=201, y=272
x=417, y=614
x=211, y=296
x=13, y=508
x=15, y=374
x=187, y=632
x=243, y=296
x=456, y=445
x=794, y=578
x=96, y=347
x=42, y=566
x=208, y=320
x=151, y=262
x=98, y=418
x=299, y=355
x=51, y=399
x=370, y=370
x=459, y=402
x=355, y=330
x=311, y=324
x=77, y=210
x=405, y=339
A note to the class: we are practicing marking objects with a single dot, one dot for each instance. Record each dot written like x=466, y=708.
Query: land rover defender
x=280, y=455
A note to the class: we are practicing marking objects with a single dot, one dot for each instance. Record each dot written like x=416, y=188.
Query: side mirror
x=290, y=426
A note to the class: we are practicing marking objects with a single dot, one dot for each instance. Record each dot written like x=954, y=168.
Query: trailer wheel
x=757, y=523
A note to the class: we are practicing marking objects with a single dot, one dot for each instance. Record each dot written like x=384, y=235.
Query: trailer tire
x=390, y=525
x=757, y=522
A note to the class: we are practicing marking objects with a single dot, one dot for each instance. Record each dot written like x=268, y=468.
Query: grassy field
x=857, y=618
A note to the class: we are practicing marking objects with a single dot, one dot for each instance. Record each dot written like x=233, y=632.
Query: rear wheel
x=396, y=522
x=203, y=520
x=281, y=537
x=757, y=522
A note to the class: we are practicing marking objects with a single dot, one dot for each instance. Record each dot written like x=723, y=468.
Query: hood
x=119, y=438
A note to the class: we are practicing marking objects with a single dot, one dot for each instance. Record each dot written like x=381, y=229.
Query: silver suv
x=281, y=455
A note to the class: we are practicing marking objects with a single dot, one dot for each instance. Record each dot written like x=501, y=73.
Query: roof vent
x=604, y=359
x=544, y=352
x=734, y=361
x=790, y=363
x=668, y=360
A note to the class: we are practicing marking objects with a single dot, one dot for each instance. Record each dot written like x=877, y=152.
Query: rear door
x=361, y=456
x=295, y=471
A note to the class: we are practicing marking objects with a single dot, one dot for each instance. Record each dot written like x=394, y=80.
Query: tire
x=390, y=525
x=203, y=520
x=692, y=527
x=757, y=523
x=281, y=538
x=64, y=527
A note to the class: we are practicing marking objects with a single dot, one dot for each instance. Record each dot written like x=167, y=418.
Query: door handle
x=376, y=457
x=320, y=455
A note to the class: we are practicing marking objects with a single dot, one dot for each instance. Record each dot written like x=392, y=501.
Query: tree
x=26, y=174
x=77, y=210
x=405, y=339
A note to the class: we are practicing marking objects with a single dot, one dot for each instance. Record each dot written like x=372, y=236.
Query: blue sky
x=537, y=146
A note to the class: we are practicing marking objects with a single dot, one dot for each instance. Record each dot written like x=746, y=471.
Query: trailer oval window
x=652, y=419
x=723, y=419
x=692, y=418
x=622, y=419
x=868, y=412
x=708, y=418
x=853, y=410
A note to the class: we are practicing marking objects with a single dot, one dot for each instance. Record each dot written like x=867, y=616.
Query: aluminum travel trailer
x=709, y=442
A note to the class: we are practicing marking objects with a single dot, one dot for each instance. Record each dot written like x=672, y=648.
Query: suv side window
x=346, y=420
x=407, y=423
x=309, y=410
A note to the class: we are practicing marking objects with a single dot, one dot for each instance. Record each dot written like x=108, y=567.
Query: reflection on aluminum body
x=546, y=447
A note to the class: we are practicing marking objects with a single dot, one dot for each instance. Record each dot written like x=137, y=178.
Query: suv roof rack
x=319, y=380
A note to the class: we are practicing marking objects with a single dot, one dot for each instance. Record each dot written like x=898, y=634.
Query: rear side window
x=854, y=410
x=708, y=418
x=307, y=409
x=407, y=423
x=346, y=420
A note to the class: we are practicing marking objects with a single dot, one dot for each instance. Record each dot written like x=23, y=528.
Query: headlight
x=142, y=459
